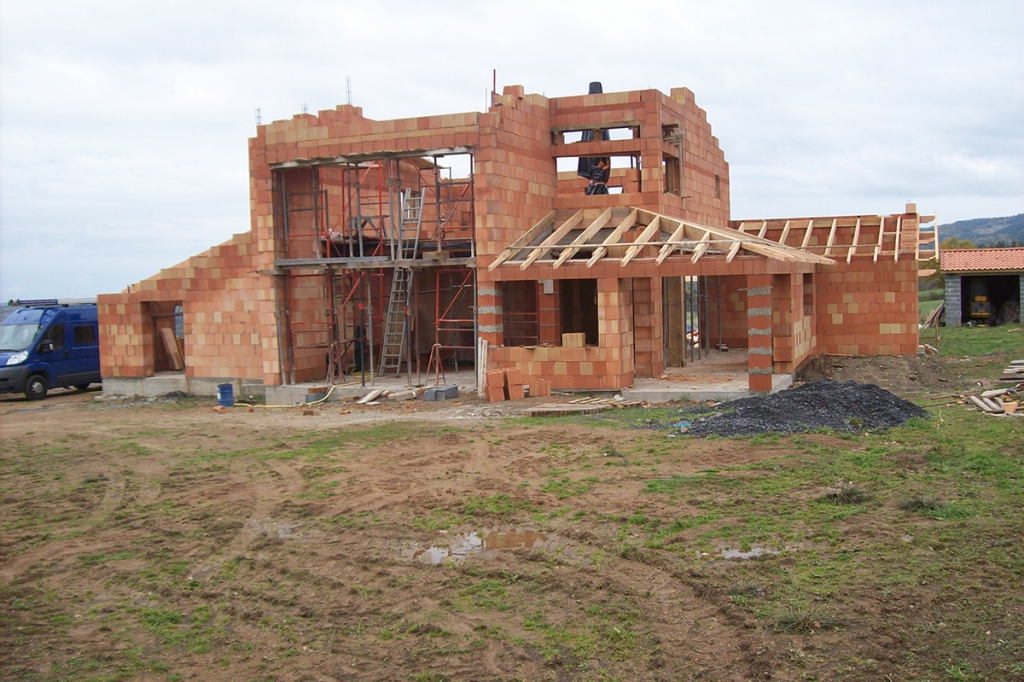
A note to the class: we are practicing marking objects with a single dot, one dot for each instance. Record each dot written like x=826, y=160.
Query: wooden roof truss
x=639, y=235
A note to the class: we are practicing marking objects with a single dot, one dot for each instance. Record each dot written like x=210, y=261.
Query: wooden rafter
x=807, y=234
x=896, y=246
x=516, y=246
x=643, y=240
x=614, y=237
x=881, y=236
x=584, y=237
x=733, y=250
x=785, y=234
x=667, y=250
x=831, y=237
x=702, y=247
x=764, y=228
x=853, y=246
x=553, y=239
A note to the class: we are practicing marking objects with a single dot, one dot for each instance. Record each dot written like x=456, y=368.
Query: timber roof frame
x=568, y=233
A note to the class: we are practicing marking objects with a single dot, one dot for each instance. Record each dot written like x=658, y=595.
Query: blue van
x=49, y=344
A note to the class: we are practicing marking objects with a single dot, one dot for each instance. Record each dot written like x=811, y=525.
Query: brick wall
x=224, y=312
x=867, y=308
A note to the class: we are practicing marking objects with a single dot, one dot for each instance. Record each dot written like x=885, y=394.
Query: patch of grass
x=805, y=620
x=437, y=519
x=921, y=504
x=674, y=484
x=978, y=341
x=845, y=493
x=565, y=487
x=102, y=557
x=500, y=505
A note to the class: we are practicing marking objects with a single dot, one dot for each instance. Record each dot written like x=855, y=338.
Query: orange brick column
x=615, y=330
x=649, y=341
x=759, y=332
x=489, y=310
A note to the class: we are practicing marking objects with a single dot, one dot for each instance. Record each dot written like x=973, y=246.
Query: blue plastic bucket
x=225, y=395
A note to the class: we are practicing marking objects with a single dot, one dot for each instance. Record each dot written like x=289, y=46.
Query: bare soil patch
x=162, y=540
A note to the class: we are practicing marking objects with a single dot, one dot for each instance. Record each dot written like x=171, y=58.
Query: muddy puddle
x=756, y=551
x=749, y=554
x=456, y=548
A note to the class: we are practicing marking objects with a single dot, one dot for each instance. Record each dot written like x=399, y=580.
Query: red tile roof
x=966, y=260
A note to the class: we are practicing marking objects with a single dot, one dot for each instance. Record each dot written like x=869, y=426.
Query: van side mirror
x=46, y=346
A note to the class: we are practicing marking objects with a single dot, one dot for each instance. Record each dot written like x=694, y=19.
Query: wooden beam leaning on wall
x=545, y=222
x=584, y=237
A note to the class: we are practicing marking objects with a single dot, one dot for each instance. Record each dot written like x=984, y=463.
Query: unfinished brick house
x=390, y=247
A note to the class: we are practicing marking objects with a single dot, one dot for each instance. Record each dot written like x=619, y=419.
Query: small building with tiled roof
x=985, y=286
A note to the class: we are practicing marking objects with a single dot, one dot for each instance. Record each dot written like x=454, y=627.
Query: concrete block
x=438, y=393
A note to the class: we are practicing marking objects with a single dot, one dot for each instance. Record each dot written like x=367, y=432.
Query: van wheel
x=36, y=387
x=81, y=387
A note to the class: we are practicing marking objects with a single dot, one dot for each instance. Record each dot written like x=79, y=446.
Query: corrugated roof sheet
x=966, y=260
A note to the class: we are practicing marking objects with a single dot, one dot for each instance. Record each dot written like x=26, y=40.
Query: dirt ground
x=162, y=540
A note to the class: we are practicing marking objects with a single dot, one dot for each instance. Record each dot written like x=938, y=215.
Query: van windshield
x=15, y=337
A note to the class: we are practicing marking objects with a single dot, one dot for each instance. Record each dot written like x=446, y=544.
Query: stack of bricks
x=514, y=384
x=496, y=386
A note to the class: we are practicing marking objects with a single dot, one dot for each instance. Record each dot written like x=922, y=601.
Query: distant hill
x=987, y=231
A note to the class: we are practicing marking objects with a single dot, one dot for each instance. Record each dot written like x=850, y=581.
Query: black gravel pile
x=824, y=404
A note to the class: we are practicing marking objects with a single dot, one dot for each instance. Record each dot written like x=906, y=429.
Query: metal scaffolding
x=371, y=229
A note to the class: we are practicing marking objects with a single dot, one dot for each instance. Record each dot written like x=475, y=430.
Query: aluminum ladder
x=393, y=347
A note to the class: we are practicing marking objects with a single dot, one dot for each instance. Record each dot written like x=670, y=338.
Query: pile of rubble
x=823, y=404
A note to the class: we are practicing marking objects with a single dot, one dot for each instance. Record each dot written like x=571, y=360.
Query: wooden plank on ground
x=548, y=409
x=370, y=397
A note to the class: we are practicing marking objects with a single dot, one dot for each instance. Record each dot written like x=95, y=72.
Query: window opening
x=521, y=323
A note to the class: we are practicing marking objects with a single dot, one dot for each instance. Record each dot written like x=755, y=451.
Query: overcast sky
x=123, y=125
